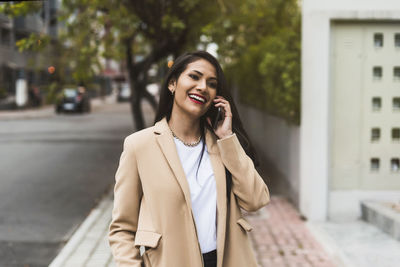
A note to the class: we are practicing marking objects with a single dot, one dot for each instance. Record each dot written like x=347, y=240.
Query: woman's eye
x=213, y=85
x=193, y=76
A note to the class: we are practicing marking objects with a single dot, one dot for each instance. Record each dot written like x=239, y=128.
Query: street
x=53, y=171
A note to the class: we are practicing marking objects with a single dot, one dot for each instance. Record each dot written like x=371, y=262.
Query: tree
x=259, y=44
x=154, y=29
x=127, y=29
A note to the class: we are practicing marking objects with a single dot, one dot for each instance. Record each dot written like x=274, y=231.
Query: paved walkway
x=358, y=244
x=89, y=245
x=279, y=238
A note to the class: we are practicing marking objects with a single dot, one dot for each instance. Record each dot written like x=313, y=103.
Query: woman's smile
x=196, y=98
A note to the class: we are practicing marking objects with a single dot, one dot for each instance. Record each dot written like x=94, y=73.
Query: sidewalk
x=89, y=245
x=358, y=244
x=48, y=110
x=279, y=238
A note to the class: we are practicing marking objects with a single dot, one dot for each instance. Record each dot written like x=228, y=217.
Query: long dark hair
x=167, y=99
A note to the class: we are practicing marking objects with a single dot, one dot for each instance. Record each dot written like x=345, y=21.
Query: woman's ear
x=172, y=85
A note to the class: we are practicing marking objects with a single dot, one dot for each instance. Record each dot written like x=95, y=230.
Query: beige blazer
x=152, y=206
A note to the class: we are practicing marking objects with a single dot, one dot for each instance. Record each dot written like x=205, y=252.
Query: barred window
x=395, y=164
x=375, y=134
x=378, y=40
x=377, y=73
x=376, y=103
x=374, y=164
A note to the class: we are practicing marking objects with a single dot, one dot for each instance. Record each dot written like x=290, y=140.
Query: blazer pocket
x=147, y=239
x=244, y=224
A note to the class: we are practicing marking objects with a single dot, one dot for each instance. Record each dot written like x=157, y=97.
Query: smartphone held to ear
x=216, y=115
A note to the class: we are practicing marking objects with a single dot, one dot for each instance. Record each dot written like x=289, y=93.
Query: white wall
x=315, y=123
x=277, y=144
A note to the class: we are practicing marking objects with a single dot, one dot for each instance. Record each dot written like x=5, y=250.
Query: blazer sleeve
x=248, y=186
x=127, y=196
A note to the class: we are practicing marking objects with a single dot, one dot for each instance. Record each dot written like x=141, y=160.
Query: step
x=383, y=216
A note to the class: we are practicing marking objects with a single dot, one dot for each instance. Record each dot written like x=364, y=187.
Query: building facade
x=27, y=66
x=350, y=126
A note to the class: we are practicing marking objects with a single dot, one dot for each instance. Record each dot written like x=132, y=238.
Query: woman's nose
x=202, y=84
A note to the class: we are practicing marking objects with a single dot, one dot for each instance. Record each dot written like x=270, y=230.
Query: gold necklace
x=187, y=144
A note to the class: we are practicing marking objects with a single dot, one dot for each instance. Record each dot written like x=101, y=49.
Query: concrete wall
x=277, y=144
x=318, y=16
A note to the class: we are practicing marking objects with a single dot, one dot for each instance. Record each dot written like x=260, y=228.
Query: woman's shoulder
x=140, y=137
x=146, y=137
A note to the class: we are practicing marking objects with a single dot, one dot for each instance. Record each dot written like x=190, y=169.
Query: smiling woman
x=195, y=91
x=176, y=178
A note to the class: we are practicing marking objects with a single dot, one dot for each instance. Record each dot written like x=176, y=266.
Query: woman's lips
x=198, y=99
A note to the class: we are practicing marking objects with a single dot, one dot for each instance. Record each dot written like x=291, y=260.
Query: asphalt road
x=53, y=171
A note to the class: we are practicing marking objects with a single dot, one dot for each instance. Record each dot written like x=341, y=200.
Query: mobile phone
x=217, y=118
x=216, y=115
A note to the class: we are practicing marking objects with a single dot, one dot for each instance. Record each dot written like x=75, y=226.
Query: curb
x=80, y=234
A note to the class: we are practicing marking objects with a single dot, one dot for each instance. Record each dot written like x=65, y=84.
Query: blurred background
x=317, y=84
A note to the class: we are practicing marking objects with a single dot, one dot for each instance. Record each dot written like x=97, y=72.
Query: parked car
x=73, y=100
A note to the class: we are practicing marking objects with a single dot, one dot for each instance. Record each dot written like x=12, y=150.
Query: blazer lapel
x=220, y=179
x=166, y=142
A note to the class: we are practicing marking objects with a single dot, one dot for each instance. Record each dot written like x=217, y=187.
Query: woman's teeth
x=197, y=98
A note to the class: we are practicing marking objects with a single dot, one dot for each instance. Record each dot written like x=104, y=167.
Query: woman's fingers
x=221, y=102
x=224, y=127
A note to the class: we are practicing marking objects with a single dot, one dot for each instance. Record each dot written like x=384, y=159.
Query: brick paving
x=280, y=238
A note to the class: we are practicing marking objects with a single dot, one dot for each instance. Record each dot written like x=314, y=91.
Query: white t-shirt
x=203, y=192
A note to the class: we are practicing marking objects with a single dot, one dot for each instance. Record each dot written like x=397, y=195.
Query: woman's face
x=195, y=89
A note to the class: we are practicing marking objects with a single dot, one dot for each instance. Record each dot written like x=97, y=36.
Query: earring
x=172, y=92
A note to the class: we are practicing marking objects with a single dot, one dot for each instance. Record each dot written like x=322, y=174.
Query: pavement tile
x=280, y=237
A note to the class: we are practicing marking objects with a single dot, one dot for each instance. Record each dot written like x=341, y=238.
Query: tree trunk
x=136, y=107
x=138, y=75
x=138, y=82
x=135, y=100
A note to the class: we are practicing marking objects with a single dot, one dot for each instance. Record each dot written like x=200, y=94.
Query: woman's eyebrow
x=201, y=74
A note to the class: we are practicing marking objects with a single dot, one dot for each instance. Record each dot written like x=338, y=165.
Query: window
x=377, y=72
x=376, y=103
x=5, y=36
x=375, y=134
x=397, y=40
x=374, y=164
x=378, y=40
x=395, y=164
x=396, y=73
x=395, y=134
x=396, y=103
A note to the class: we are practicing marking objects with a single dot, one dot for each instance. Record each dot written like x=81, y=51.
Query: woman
x=181, y=183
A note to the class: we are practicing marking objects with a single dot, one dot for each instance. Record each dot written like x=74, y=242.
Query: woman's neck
x=184, y=127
